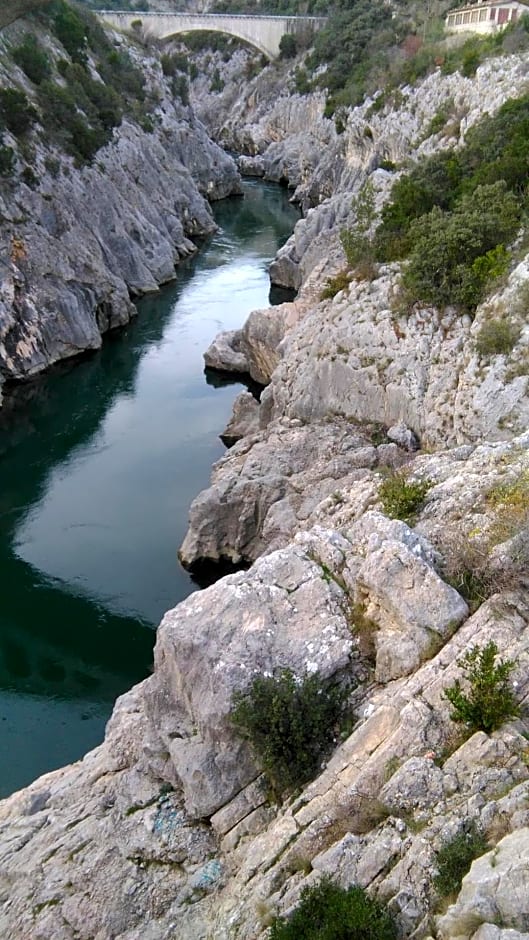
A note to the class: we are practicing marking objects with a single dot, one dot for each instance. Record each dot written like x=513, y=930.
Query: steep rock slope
x=361, y=356
x=76, y=241
x=166, y=829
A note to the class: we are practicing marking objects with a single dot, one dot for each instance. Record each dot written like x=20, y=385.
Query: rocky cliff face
x=167, y=829
x=77, y=244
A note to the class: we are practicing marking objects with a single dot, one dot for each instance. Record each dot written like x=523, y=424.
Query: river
x=99, y=463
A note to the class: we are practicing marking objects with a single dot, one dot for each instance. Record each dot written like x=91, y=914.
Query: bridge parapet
x=263, y=32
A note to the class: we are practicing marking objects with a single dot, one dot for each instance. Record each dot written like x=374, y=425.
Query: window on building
x=493, y=13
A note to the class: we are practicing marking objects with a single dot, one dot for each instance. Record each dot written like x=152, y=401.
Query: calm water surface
x=98, y=465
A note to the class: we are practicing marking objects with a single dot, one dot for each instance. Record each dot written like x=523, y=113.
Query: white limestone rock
x=225, y=353
x=495, y=891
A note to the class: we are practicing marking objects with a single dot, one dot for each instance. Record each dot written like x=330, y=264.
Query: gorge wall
x=167, y=829
x=77, y=243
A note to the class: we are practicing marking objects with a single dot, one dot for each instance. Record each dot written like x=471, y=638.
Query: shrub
x=490, y=700
x=401, y=498
x=16, y=113
x=455, y=858
x=328, y=912
x=7, y=160
x=180, y=88
x=496, y=338
x=30, y=177
x=334, y=284
x=356, y=243
x=70, y=30
x=290, y=723
x=456, y=254
x=32, y=60
x=288, y=46
x=173, y=63
x=302, y=84
x=217, y=83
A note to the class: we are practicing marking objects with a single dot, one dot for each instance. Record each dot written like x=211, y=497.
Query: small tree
x=490, y=700
x=16, y=112
x=7, y=160
x=32, y=59
x=356, y=242
x=288, y=46
x=290, y=723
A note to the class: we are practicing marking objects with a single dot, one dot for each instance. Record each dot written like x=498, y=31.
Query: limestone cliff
x=77, y=243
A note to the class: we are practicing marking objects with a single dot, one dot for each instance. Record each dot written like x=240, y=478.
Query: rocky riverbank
x=166, y=830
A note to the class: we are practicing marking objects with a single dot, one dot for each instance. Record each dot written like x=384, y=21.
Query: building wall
x=484, y=18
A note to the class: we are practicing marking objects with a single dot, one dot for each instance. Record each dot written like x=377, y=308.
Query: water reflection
x=99, y=462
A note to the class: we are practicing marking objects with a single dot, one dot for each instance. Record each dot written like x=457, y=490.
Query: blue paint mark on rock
x=207, y=876
x=167, y=821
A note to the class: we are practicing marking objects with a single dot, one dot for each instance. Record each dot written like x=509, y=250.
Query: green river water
x=99, y=462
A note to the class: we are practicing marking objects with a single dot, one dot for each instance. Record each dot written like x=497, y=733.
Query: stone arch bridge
x=263, y=32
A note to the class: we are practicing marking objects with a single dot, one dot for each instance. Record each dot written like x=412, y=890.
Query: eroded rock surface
x=77, y=246
x=166, y=829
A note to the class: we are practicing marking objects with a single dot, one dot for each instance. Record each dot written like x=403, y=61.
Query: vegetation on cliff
x=370, y=48
x=453, y=215
x=291, y=725
x=77, y=97
x=328, y=912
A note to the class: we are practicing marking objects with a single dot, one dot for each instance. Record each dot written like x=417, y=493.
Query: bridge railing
x=137, y=14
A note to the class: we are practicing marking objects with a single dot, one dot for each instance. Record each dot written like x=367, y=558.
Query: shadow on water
x=99, y=461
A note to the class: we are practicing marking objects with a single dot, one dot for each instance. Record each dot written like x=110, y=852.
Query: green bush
x=496, y=338
x=455, y=858
x=291, y=725
x=356, y=243
x=30, y=177
x=217, y=83
x=328, y=912
x=70, y=29
x=180, y=88
x=301, y=81
x=32, y=59
x=288, y=46
x=7, y=160
x=490, y=699
x=401, y=498
x=455, y=255
x=16, y=113
x=174, y=62
x=334, y=284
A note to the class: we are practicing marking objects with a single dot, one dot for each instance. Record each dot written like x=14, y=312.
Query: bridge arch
x=262, y=32
x=259, y=46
